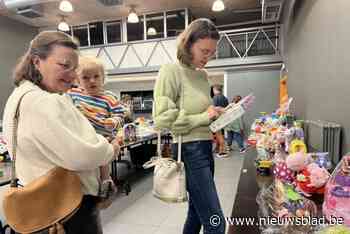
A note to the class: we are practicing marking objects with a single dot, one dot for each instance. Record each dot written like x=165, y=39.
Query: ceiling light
x=66, y=6
x=132, y=17
x=63, y=26
x=218, y=5
x=151, y=31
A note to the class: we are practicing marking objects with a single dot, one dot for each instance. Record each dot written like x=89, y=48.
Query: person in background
x=100, y=107
x=235, y=130
x=183, y=105
x=51, y=131
x=219, y=101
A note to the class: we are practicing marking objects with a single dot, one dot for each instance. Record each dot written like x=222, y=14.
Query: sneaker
x=243, y=150
x=222, y=155
x=229, y=148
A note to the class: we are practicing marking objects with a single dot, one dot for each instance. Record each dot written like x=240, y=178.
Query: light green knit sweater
x=182, y=86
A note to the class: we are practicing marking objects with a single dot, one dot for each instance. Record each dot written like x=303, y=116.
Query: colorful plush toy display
x=337, y=192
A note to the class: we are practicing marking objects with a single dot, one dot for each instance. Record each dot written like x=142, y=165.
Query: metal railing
x=243, y=43
x=240, y=44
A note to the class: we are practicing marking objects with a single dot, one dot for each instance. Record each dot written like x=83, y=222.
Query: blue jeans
x=235, y=136
x=203, y=205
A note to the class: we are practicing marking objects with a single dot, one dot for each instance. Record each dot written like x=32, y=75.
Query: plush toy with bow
x=312, y=179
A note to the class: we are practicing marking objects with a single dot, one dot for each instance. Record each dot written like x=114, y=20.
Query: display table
x=245, y=205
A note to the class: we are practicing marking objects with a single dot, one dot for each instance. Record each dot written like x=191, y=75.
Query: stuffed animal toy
x=318, y=175
x=283, y=173
x=312, y=179
x=297, y=146
x=298, y=161
x=322, y=159
x=298, y=130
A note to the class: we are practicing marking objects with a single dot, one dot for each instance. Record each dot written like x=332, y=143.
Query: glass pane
x=156, y=22
x=81, y=34
x=96, y=33
x=135, y=30
x=175, y=22
x=113, y=32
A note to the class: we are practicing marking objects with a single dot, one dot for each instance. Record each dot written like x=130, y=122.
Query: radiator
x=322, y=136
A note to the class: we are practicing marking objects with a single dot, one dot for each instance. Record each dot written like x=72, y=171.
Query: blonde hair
x=89, y=62
x=40, y=46
x=199, y=29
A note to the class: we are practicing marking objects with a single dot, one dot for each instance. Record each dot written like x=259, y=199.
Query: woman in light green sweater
x=183, y=105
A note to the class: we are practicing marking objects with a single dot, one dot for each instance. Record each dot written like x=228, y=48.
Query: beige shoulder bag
x=45, y=203
x=169, y=178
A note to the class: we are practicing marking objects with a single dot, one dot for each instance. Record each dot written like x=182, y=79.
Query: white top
x=52, y=132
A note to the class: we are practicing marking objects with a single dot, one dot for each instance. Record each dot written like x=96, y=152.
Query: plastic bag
x=282, y=202
x=337, y=193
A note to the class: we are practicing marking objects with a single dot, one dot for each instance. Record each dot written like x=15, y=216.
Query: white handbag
x=169, y=179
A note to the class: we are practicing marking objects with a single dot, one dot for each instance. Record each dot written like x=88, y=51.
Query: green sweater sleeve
x=166, y=113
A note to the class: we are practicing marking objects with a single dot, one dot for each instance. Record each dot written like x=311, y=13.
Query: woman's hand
x=213, y=112
x=116, y=146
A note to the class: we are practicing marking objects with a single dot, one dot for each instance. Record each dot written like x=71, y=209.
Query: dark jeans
x=204, y=205
x=235, y=136
x=85, y=221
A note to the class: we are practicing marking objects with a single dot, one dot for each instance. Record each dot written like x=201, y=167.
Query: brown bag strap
x=14, y=179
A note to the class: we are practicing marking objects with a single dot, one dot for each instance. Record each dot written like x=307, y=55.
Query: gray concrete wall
x=14, y=39
x=317, y=58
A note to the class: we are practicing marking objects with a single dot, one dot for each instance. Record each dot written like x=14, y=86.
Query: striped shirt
x=104, y=111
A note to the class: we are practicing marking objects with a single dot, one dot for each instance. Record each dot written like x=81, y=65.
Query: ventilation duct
x=111, y=2
x=13, y=4
x=271, y=10
x=29, y=12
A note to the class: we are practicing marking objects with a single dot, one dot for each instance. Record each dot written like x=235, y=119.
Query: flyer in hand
x=232, y=112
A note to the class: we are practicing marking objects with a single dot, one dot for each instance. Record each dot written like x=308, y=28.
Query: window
x=114, y=32
x=96, y=33
x=135, y=30
x=155, y=26
x=81, y=34
x=175, y=22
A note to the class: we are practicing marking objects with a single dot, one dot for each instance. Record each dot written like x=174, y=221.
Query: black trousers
x=85, y=221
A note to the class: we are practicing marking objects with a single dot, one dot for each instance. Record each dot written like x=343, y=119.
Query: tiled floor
x=140, y=212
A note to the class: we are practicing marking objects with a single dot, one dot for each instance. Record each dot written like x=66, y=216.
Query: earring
x=36, y=76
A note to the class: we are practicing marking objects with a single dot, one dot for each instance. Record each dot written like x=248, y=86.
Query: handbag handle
x=159, y=152
x=14, y=180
